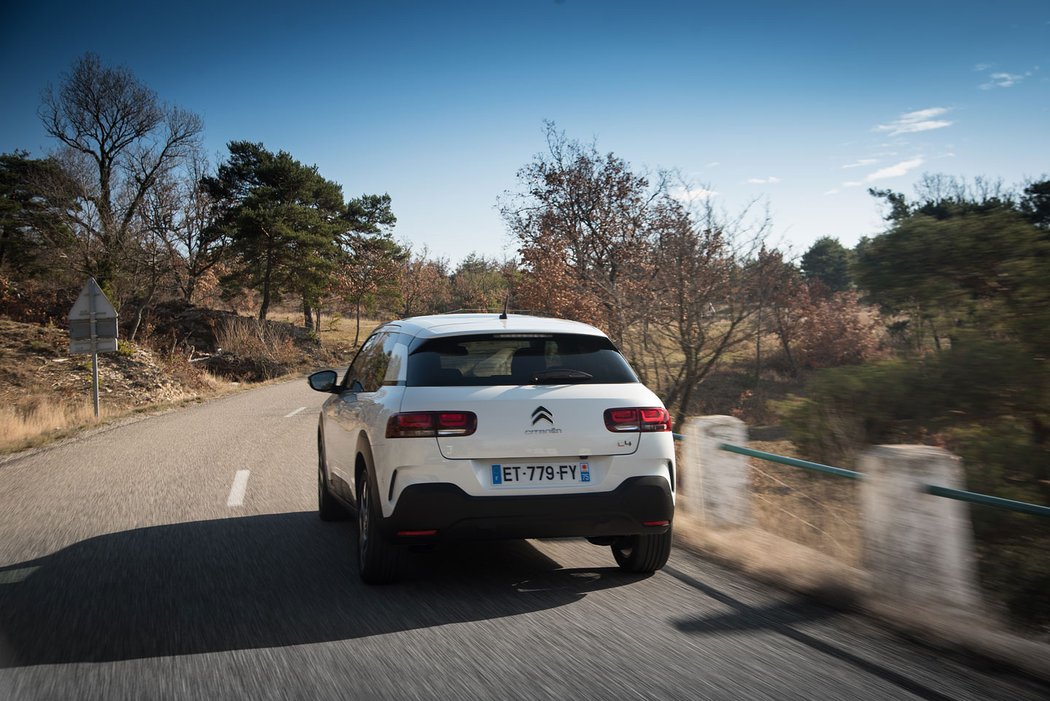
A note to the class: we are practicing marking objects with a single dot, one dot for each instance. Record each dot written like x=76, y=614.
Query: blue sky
x=803, y=105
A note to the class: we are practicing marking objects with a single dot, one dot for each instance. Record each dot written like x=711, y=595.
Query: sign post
x=92, y=329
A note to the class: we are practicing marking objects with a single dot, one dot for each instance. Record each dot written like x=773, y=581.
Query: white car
x=479, y=426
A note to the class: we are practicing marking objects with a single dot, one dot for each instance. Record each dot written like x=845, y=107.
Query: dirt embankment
x=35, y=364
x=191, y=353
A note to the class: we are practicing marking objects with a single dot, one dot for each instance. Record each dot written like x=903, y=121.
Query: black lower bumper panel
x=455, y=515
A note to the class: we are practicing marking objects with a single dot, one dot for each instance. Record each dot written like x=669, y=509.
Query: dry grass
x=337, y=332
x=45, y=392
x=38, y=418
x=819, y=511
x=250, y=338
x=774, y=559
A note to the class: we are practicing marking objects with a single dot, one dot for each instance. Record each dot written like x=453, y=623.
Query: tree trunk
x=142, y=308
x=788, y=354
x=357, y=330
x=936, y=337
x=308, y=319
x=785, y=341
x=687, y=398
x=758, y=345
x=265, y=306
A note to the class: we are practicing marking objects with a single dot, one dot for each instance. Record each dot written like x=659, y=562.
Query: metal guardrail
x=988, y=500
x=793, y=462
x=946, y=492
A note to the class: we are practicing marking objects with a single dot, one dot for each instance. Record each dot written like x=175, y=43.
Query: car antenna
x=506, y=303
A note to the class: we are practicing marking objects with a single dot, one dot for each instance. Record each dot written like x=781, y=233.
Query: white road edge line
x=240, y=484
x=288, y=416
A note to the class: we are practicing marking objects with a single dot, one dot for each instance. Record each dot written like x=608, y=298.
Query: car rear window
x=517, y=359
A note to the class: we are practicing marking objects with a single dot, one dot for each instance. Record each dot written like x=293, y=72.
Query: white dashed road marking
x=288, y=416
x=240, y=483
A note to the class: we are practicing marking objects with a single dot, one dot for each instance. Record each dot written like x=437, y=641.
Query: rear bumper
x=455, y=515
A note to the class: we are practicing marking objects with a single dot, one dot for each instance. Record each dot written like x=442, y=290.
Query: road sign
x=92, y=328
x=92, y=300
x=92, y=322
x=101, y=345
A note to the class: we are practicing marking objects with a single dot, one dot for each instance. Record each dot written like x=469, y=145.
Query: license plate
x=540, y=474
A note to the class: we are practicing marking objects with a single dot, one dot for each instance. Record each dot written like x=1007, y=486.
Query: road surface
x=179, y=556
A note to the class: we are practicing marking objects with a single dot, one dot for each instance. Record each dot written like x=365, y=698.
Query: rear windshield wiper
x=559, y=375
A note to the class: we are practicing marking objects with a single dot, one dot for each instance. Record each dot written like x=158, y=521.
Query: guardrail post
x=918, y=548
x=715, y=483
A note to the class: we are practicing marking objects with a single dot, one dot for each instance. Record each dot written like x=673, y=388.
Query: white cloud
x=920, y=120
x=981, y=67
x=832, y=191
x=713, y=164
x=861, y=163
x=771, y=180
x=895, y=171
x=692, y=195
x=1002, y=80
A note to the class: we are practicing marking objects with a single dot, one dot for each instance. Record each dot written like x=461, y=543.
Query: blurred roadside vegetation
x=936, y=330
x=963, y=272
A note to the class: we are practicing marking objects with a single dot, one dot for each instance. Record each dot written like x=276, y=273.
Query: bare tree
x=669, y=280
x=118, y=142
x=181, y=214
x=703, y=296
x=585, y=229
x=425, y=287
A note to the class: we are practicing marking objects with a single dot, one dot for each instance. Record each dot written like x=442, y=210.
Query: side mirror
x=323, y=380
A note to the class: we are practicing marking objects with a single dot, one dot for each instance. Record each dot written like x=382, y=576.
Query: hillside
x=194, y=353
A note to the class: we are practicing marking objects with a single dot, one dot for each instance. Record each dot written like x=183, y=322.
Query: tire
x=643, y=553
x=376, y=557
x=327, y=507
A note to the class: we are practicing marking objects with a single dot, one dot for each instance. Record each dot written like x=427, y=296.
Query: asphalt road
x=129, y=570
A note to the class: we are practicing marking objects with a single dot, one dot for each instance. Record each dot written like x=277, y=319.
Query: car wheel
x=376, y=557
x=643, y=553
x=327, y=507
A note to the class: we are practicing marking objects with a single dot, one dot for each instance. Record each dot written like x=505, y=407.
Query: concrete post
x=715, y=484
x=918, y=548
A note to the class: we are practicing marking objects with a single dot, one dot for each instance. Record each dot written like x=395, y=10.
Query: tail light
x=633, y=419
x=423, y=424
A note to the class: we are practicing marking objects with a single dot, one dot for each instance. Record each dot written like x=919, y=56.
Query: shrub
x=840, y=331
x=35, y=301
x=984, y=400
x=893, y=401
x=254, y=350
x=849, y=407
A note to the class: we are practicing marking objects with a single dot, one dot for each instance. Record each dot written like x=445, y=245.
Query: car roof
x=465, y=324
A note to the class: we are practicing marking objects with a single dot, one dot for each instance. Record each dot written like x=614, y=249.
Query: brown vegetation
x=46, y=393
